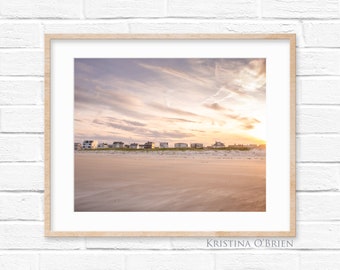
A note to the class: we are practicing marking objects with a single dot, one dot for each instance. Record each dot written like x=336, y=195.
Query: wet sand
x=166, y=182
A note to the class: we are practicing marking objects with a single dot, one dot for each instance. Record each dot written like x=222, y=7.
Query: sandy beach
x=170, y=181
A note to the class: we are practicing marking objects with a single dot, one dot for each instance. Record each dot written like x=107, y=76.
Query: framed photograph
x=170, y=135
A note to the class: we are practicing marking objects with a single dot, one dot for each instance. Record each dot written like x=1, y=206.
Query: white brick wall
x=22, y=26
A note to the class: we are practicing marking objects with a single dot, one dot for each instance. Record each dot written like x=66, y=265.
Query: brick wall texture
x=23, y=24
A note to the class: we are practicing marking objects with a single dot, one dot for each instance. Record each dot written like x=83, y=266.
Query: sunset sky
x=171, y=100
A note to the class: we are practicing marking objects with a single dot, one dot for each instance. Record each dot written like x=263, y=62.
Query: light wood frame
x=47, y=143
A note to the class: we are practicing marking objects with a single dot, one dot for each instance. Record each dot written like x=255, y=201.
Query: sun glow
x=190, y=100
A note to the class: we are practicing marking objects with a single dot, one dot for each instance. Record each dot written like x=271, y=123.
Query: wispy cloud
x=175, y=111
x=215, y=106
x=158, y=99
x=138, y=131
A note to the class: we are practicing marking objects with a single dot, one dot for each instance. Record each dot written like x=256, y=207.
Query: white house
x=103, y=145
x=181, y=145
x=134, y=146
x=163, y=145
x=90, y=144
x=118, y=145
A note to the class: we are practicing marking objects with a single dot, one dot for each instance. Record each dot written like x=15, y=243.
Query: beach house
x=103, y=145
x=90, y=144
x=163, y=145
x=149, y=145
x=181, y=145
x=134, y=146
x=196, y=145
x=118, y=145
x=218, y=145
x=77, y=146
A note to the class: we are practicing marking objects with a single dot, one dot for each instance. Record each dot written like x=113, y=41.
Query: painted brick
x=318, y=206
x=263, y=261
x=21, y=148
x=21, y=91
x=318, y=62
x=19, y=261
x=202, y=261
x=23, y=177
x=310, y=235
x=86, y=27
x=21, y=206
x=41, y=9
x=19, y=35
x=318, y=177
x=318, y=119
x=83, y=260
x=216, y=26
x=264, y=27
x=129, y=243
x=124, y=8
x=30, y=235
x=321, y=34
x=328, y=260
x=173, y=26
x=20, y=119
x=20, y=62
x=319, y=148
x=300, y=9
x=213, y=8
x=318, y=235
x=324, y=90
x=199, y=243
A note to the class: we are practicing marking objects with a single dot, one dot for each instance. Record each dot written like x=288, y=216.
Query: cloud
x=245, y=123
x=177, y=74
x=165, y=98
x=215, y=106
x=249, y=123
x=258, y=66
x=145, y=133
x=163, y=108
x=177, y=120
x=128, y=122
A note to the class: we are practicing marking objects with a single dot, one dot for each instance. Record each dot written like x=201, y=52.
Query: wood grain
x=48, y=228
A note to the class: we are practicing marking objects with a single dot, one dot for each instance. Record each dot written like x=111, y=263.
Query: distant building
x=163, y=145
x=141, y=146
x=103, y=145
x=118, y=145
x=77, y=146
x=90, y=144
x=181, y=145
x=218, y=145
x=196, y=145
x=134, y=146
x=149, y=145
x=236, y=146
x=252, y=146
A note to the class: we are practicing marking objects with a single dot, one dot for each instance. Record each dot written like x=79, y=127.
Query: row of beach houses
x=93, y=144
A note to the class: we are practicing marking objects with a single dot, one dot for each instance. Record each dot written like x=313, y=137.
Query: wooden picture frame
x=59, y=44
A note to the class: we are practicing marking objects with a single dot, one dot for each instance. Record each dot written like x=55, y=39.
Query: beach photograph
x=169, y=134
